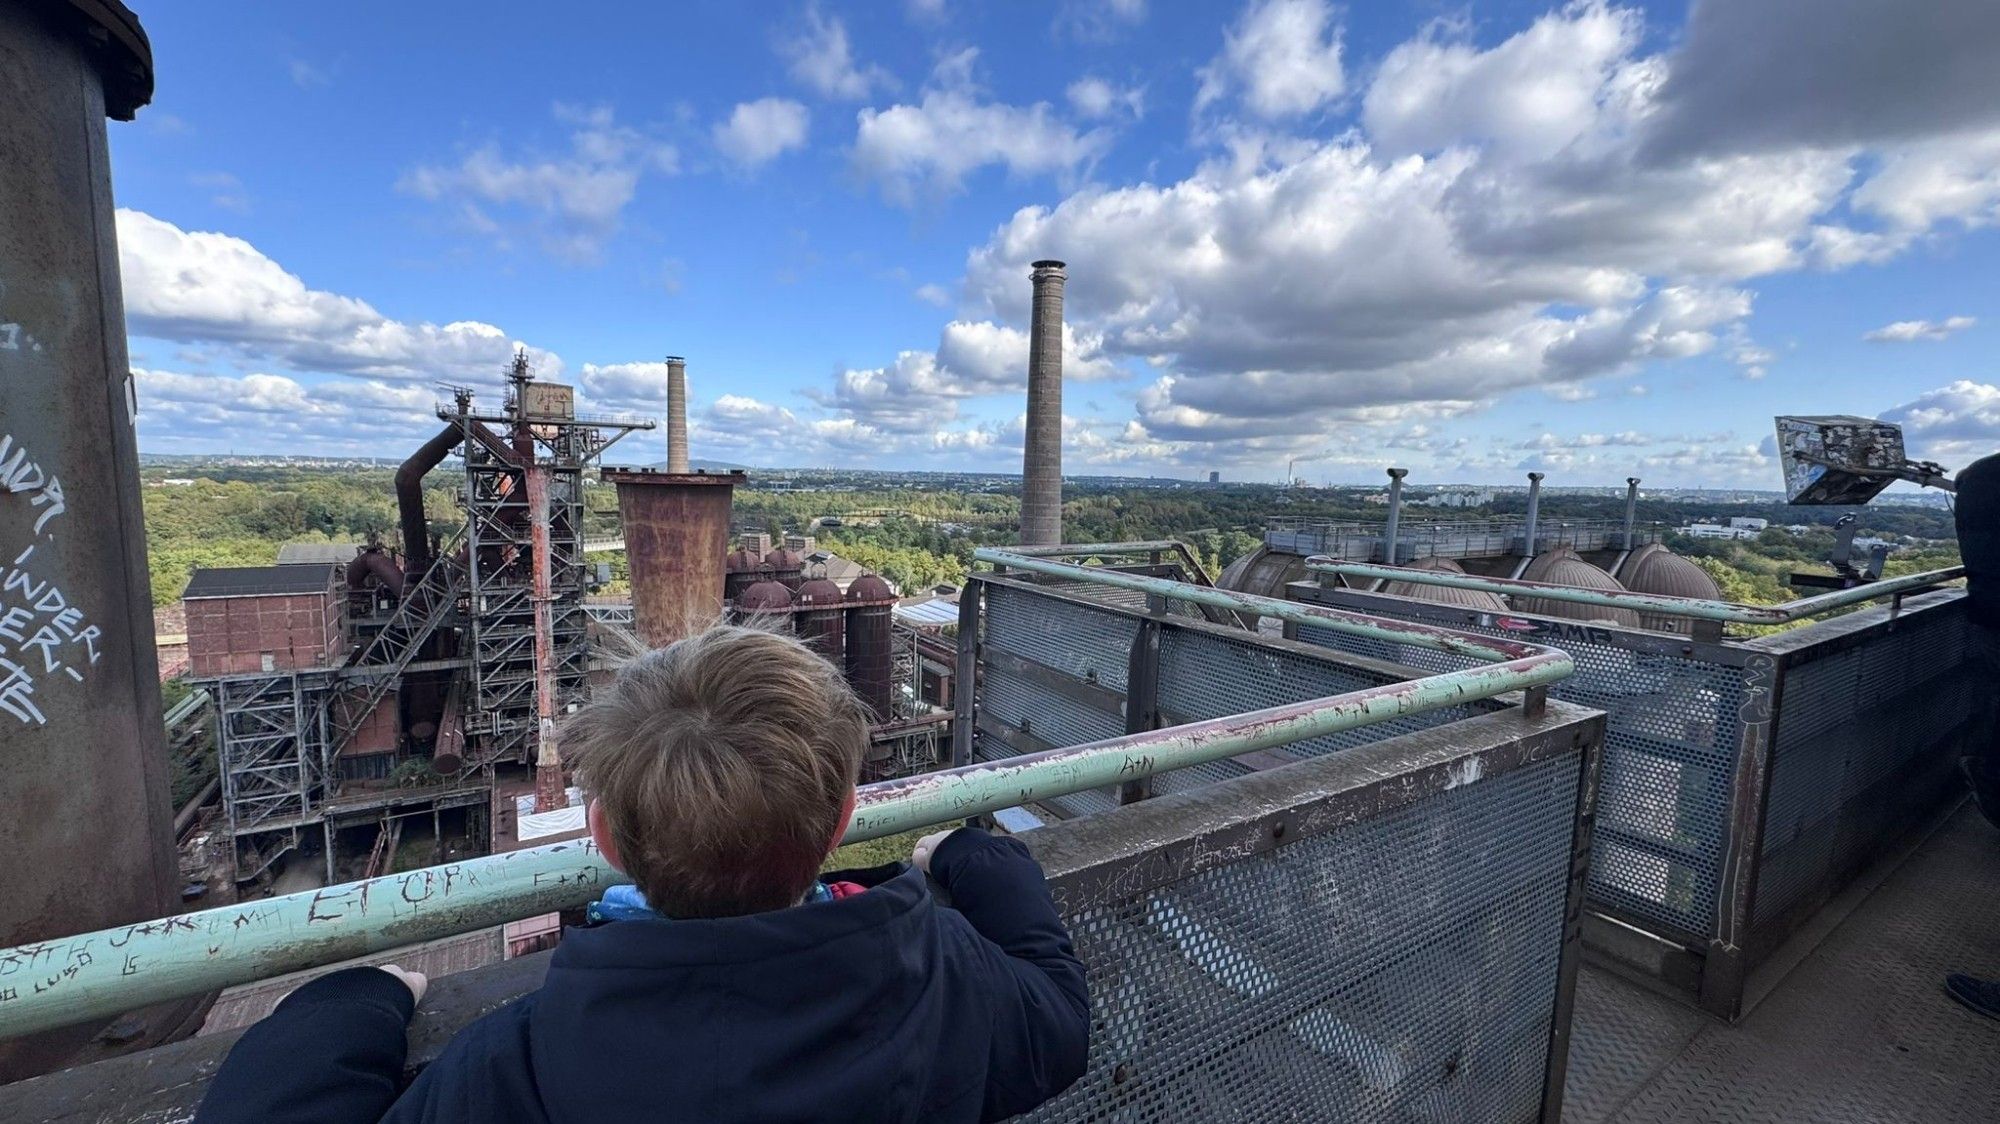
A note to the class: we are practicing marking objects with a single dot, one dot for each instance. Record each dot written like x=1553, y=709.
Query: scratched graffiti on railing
x=42, y=635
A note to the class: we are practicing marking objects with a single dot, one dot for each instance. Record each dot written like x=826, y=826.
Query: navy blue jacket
x=880, y=1006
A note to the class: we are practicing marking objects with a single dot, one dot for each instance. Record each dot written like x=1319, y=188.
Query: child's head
x=720, y=767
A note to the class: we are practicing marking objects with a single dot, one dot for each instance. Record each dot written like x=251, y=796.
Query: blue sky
x=1594, y=239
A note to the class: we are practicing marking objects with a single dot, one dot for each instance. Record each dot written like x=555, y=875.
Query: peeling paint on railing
x=1728, y=612
x=93, y=975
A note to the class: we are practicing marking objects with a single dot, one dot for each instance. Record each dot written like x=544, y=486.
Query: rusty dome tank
x=740, y=571
x=821, y=619
x=767, y=604
x=1655, y=569
x=787, y=566
x=871, y=643
x=1562, y=566
x=1476, y=600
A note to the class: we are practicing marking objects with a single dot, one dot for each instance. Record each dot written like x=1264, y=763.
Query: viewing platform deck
x=1858, y=1029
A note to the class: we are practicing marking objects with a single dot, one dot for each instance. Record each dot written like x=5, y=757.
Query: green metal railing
x=1727, y=612
x=94, y=975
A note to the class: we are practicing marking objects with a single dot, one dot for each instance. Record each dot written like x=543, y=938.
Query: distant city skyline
x=1592, y=239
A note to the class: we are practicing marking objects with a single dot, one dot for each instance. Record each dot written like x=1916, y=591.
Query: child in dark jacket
x=732, y=982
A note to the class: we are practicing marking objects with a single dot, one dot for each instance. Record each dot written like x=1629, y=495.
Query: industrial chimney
x=677, y=414
x=1041, y=467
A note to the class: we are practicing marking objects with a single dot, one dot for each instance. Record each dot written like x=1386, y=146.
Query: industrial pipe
x=1530, y=535
x=102, y=973
x=410, y=498
x=1728, y=612
x=378, y=563
x=1395, y=514
x=1631, y=509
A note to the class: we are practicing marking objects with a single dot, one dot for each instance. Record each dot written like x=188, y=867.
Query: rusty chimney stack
x=677, y=414
x=1041, y=463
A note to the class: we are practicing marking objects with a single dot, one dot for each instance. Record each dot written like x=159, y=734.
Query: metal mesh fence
x=1669, y=760
x=1401, y=968
x=1865, y=747
x=1202, y=675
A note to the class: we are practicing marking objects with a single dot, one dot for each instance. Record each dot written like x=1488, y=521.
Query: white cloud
x=933, y=294
x=1099, y=20
x=1906, y=331
x=927, y=149
x=760, y=131
x=1496, y=222
x=201, y=287
x=1952, y=424
x=229, y=192
x=925, y=11
x=1285, y=57
x=822, y=60
x=1098, y=99
x=274, y=413
x=1528, y=97
x=922, y=390
x=573, y=201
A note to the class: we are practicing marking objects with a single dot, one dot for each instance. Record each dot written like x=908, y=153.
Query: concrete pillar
x=677, y=414
x=87, y=834
x=1395, y=514
x=1041, y=467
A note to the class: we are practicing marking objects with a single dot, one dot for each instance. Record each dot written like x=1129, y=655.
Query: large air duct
x=1041, y=463
x=410, y=499
x=676, y=528
x=677, y=414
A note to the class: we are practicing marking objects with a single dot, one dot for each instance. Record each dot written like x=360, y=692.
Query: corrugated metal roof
x=928, y=614
x=307, y=553
x=257, y=581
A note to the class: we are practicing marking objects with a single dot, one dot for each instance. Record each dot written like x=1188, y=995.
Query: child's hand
x=417, y=982
x=920, y=855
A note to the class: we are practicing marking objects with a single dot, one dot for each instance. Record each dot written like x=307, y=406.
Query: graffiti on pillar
x=42, y=636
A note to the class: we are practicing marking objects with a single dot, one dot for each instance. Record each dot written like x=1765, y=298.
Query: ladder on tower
x=368, y=678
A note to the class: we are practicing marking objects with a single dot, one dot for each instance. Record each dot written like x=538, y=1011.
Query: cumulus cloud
x=1496, y=221
x=207, y=288
x=1906, y=331
x=261, y=412
x=822, y=60
x=922, y=390
x=927, y=149
x=1780, y=74
x=1284, y=56
x=1098, y=99
x=760, y=131
x=1952, y=424
x=571, y=201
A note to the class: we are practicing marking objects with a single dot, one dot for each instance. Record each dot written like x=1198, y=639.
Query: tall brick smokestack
x=677, y=414
x=1041, y=462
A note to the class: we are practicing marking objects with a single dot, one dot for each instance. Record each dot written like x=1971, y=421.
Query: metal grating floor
x=1860, y=1030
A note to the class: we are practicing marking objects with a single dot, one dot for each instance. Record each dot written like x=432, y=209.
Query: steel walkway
x=1859, y=1030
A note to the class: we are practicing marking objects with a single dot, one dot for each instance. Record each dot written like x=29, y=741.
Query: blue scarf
x=627, y=903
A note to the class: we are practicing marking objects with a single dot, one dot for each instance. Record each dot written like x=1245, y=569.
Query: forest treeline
x=918, y=537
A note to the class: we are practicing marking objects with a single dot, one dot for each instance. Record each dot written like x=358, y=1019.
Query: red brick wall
x=231, y=635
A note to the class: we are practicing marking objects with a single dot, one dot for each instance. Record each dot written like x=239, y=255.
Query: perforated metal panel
x=1864, y=750
x=1403, y=968
x=1203, y=675
x=1669, y=758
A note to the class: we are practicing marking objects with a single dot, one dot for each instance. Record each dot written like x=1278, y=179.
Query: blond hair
x=723, y=762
